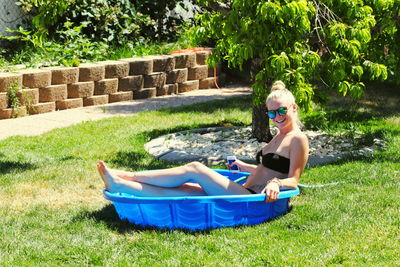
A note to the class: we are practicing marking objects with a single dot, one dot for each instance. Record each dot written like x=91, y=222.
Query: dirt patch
x=24, y=196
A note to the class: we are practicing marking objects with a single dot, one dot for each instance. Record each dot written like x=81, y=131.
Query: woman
x=281, y=163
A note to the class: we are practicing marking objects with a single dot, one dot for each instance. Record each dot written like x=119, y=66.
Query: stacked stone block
x=115, y=69
x=36, y=78
x=9, y=79
x=131, y=83
x=8, y=113
x=69, y=103
x=91, y=72
x=53, y=93
x=80, y=90
x=59, y=88
x=64, y=75
x=3, y=100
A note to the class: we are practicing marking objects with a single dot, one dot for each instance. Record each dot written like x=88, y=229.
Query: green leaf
x=357, y=71
x=357, y=90
x=343, y=87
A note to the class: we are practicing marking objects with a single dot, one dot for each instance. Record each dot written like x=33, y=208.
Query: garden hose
x=300, y=185
x=317, y=185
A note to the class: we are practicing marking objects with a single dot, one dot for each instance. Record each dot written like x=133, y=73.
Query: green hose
x=240, y=179
x=300, y=185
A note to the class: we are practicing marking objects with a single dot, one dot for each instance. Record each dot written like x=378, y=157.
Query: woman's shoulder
x=300, y=138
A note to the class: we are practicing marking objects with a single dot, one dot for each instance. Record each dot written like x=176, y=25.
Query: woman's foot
x=108, y=178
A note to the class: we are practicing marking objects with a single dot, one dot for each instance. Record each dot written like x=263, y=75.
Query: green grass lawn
x=52, y=212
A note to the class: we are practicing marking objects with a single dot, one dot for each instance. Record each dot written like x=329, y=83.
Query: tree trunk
x=260, y=124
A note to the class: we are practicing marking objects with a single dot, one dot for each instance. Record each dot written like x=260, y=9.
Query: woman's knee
x=195, y=166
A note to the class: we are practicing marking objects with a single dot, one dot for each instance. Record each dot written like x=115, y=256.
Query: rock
x=213, y=145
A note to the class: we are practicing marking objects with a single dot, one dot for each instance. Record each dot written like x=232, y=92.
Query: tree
x=385, y=39
x=306, y=44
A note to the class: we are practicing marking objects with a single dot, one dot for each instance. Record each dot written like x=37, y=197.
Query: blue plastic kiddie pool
x=200, y=212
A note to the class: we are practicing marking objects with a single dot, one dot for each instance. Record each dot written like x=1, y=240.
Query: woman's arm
x=298, y=159
x=299, y=150
x=243, y=166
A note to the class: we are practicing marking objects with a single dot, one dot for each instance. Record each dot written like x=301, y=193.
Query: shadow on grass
x=68, y=158
x=377, y=157
x=109, y=216
x=142, y=160
x=379, y=101
x=238, y=102
x=137, y=160
x=9, y=166
x=380, y=157
x=347, y=119
x=179, y=103
x=149, y=135
x=379, y=97
x=352, y=114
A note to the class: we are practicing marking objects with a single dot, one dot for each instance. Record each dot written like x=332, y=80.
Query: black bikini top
x=274, y=162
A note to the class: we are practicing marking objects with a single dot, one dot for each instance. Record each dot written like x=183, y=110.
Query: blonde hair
x=279, y=91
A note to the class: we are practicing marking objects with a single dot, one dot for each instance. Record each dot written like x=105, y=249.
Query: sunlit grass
x=52, y=212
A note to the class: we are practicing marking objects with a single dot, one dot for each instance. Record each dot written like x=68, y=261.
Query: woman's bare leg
x=122, y=174
x=113, y=183
x=211, y=182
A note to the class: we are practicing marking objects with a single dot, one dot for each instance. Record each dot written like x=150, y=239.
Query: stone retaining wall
x=57, y=88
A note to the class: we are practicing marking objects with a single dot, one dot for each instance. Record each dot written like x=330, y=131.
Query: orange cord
x=198, y=49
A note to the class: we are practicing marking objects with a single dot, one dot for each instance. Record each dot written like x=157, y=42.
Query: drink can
x=230, y=160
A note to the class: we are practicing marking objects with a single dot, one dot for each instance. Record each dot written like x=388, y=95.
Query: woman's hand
x=238, y=163
x=243, y=166
x=272, y=190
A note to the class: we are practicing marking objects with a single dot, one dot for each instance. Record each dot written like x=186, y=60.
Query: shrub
x=45, y=14
x=112, y=21
x=70, y=49
x=13, y=100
